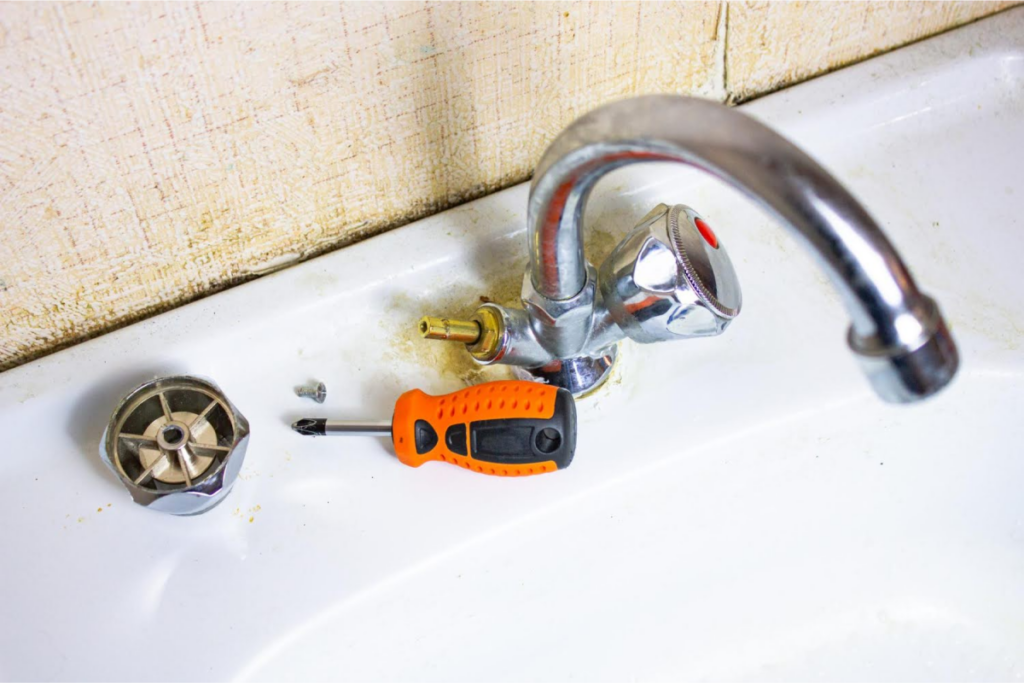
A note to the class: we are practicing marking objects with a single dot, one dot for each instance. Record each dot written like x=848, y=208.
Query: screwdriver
x=507, y=428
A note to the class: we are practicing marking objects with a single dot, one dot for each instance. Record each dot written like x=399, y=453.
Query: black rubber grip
x=455, y=439
x=426, y=436
x=521, y=441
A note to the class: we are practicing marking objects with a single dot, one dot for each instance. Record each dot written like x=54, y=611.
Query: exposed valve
x=670, y=278
x=446, y=329
x=484, y=334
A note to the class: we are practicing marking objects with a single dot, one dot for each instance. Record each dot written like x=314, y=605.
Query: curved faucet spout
x=896, y=332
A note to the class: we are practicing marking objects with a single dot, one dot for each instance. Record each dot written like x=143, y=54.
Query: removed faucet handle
x=177, y=444
x=670, y=278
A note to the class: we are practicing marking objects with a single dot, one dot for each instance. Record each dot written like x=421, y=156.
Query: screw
x=317, y=393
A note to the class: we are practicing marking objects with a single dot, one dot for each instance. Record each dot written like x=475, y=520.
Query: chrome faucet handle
x=670, y=278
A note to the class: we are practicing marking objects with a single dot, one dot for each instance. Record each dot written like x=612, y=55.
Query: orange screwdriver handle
x=509, y=428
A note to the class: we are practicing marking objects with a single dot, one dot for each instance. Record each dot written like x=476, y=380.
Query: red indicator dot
x=706, y=232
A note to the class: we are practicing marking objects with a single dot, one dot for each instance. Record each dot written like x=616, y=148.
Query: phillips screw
x=317, y=393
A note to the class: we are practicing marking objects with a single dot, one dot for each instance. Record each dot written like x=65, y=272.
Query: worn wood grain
x=151, y=154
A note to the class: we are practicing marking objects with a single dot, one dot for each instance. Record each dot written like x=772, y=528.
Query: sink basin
x=780, y=523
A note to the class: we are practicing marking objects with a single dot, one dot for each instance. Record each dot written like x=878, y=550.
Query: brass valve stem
x=465, y=331
x=484, y=335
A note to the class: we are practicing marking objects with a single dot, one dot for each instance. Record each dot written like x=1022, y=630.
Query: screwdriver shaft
x=357, y=428
x=317, y=427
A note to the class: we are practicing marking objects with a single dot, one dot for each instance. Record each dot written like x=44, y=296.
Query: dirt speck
x=247, y=475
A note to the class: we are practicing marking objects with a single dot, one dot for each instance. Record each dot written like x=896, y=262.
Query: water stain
x=599, y=244
x=449, y=362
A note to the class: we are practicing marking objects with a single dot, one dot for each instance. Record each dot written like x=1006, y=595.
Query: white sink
x=788, y=525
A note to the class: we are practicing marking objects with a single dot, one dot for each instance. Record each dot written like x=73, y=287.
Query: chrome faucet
x=671, y=278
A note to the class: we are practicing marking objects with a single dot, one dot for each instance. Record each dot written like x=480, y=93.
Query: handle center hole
x=173, y=435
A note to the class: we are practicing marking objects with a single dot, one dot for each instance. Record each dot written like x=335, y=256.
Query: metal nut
x=561, y=326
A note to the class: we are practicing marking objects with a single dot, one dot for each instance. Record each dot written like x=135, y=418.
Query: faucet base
x=580, y=375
